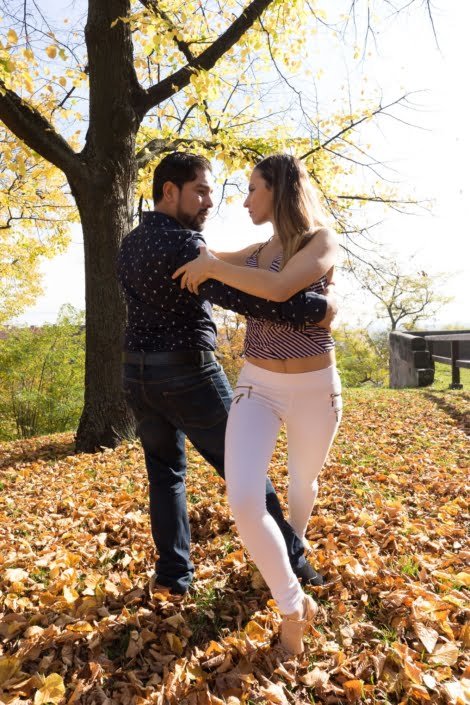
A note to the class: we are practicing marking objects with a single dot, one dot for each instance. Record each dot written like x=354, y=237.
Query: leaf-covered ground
x=78, y=625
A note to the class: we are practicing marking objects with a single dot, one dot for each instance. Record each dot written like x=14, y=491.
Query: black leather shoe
x=308, y=575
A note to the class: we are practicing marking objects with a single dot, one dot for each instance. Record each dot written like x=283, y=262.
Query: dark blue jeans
x=170, y=403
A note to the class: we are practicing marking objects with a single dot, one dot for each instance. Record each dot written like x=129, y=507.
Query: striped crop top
x=268, y=340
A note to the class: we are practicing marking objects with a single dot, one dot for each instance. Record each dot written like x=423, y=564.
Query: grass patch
x=387, y=635
x=408, y=565
x=443, y=377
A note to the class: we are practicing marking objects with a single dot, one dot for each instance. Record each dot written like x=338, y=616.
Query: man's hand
x=332, y=307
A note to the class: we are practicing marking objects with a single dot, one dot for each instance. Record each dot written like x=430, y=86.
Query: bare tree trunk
x=105, y=203
x=106, y=219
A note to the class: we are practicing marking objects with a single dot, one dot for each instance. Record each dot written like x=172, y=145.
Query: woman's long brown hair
x=298, y=213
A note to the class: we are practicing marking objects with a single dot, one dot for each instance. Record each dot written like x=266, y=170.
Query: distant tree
x=35, y=217
x=231, y=329
x=41, y=377
x=362, y=357
x=403, y=299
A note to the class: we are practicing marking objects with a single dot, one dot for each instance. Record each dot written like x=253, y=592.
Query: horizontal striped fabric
x=282, y=341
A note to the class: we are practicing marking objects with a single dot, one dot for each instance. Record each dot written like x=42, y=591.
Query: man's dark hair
x=179, y=168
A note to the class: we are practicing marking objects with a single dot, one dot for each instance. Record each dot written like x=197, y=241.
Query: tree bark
x=105, y=203
x=106, y=219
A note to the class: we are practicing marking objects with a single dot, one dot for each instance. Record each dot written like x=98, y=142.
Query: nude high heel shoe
x=294, y=626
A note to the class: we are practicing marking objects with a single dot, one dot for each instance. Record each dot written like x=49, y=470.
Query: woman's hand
x=195, y=272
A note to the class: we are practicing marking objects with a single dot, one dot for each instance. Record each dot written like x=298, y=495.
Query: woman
x=289, y=374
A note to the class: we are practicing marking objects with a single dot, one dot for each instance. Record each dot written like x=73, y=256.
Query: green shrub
x=42, y=377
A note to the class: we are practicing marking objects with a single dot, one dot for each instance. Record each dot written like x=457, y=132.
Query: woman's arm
x=238, y=257
x=304, y=268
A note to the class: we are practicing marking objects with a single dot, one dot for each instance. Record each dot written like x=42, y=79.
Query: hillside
x=389, y=531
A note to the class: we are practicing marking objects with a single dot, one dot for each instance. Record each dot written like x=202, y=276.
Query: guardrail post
x=454, y=354
x=411, y=364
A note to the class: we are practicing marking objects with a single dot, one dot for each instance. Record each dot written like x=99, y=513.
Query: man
x=172, y=379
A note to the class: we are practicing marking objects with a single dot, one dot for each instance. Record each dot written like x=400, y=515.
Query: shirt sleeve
x=304, y=307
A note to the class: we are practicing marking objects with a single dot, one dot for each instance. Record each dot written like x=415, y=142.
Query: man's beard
x=192, y=222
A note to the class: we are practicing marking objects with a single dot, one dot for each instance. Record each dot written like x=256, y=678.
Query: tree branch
x=380, y=199
x=183, y=46
x=36, y=131
x=352, y=125
x=205, y=61
x=158, y=146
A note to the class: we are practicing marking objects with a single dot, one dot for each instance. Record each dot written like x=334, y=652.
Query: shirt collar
x=161, y=220
x=157, y=219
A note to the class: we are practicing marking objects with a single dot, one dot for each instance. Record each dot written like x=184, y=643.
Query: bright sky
x=431, y=163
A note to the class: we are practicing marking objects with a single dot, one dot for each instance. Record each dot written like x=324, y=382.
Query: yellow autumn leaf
x=235, y=558
x=52, y=691
x=463, y=578
x=29, y=85
x=175, y=643
x=195, y=672
x=354, y=689
x=70, y=595
x=12, y=36
x=10, y=628
x=255, y=632
x=427, y=636
x=446, y=654
x=175, y=620
x=80, y=627
x=274, y=693
x=315, y=678
x=161, y=596
x=214, y=647
x=419, y=693
x=465, y=635
x=15, y=575
x=51, y=51
x=9, y=665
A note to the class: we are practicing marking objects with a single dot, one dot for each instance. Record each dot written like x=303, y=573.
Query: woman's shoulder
x=253, y=251
x=324, y=233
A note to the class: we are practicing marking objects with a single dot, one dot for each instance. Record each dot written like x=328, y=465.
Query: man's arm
x=306, y=266
x=304, y=307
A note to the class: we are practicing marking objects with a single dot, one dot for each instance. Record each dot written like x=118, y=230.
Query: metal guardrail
x=454, y=360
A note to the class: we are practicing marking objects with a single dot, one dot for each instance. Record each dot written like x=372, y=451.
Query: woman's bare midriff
x=296, y=365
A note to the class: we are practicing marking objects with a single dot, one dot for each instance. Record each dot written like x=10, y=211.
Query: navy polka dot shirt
x=161, y=316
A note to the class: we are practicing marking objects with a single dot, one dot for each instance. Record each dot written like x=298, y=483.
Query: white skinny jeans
x=309, y=403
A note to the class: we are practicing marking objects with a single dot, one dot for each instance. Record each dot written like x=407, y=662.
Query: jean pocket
x=199, y=405
x=132, y=394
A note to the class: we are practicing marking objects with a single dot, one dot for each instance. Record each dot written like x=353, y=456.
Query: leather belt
x=176, y=357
